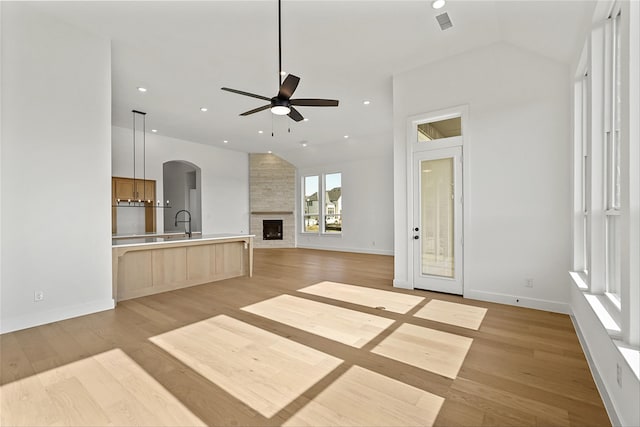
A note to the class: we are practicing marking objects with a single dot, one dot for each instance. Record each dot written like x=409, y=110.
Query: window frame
x=305, y=202
x=322, y=205
x=606, y=171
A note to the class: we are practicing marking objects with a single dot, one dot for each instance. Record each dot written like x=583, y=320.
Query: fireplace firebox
x=272, y=229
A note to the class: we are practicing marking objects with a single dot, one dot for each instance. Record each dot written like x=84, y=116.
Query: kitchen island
x=145, y=265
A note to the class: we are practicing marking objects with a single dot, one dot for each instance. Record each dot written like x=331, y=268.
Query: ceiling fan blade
x=256, y=110
x=253, y=95
x=288, y=86
x=314, y=102
x=295, y=115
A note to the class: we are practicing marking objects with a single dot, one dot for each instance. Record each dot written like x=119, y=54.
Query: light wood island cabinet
x=152, y=265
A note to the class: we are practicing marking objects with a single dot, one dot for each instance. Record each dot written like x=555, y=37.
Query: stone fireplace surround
x=272, y=197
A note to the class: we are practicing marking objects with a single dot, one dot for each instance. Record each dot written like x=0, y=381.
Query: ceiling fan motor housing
x=279, y=102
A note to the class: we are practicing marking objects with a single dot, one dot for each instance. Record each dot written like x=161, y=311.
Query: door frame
x=413, y=146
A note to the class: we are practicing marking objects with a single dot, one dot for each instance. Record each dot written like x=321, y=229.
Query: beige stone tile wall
x=272, y=188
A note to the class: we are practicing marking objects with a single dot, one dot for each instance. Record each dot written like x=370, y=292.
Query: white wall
x=517, y=155
x=367, y=197
x=224, y=177
x=56, y=114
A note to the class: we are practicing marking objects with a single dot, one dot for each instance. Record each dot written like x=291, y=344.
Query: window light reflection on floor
x=395, y=302
x=339, y=324
x=361, y=397
x=452, y=313
x=434, y=351
x=263, y=370
x=105, y=389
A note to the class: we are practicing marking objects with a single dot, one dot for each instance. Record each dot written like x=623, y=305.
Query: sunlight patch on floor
x=335, y=323
x=434, y=351
x=361, y=397
x=395, y=302
x=263, y=370
x=106, y=389
x=452, y=313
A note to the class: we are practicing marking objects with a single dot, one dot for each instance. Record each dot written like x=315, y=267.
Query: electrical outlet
x=528, y=283
x=619, y=374
x=38, y=296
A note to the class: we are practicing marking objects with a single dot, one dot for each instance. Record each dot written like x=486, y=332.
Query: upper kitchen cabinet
x=128, y=216
x=127, y=189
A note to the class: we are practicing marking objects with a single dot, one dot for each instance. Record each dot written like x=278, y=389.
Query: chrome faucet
x=188, y=221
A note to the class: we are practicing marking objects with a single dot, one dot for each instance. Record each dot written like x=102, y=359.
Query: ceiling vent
x=444, y=21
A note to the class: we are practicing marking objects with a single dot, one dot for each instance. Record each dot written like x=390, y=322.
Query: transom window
x=440, y=129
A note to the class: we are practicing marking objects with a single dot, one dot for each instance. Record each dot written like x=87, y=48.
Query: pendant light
x=140, y=202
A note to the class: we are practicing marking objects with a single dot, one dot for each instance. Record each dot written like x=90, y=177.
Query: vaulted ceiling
x=184, y=52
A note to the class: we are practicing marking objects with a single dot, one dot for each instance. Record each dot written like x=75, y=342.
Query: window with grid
x=322, y=203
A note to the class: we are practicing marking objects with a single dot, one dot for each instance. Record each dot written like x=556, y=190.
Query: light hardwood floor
x=225, y=354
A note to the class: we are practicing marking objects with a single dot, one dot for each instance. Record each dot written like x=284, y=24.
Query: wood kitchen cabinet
x=125, y=189
x=129, y=189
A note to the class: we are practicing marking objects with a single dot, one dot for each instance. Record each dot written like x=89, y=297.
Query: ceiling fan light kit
x=280, y=110
x=282, y=104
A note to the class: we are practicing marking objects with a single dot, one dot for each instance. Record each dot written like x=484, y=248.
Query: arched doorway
x=182, y=187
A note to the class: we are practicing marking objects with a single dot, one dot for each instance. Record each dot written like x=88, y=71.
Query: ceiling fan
x=282, y=104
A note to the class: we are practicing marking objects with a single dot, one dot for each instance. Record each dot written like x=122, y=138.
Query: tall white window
x=311, y=204
x=322, y=203
x=613, y=112
x=582, y=175
x=606, y=170
x=333, y=203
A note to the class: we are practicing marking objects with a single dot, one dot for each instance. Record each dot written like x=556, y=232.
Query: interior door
x=437, y=220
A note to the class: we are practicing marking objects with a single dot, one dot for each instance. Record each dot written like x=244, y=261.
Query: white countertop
x=145, y=240
x=153, y=234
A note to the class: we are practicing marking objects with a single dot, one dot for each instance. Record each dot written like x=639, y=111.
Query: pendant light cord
x=134, y=154
x=144, y=157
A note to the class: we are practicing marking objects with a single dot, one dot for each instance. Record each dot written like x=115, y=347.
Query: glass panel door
x=437, y=231
x=437, y=215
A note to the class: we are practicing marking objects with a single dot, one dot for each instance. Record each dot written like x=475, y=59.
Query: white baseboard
x=36, y=319
x=355, y=250
x=538, y=304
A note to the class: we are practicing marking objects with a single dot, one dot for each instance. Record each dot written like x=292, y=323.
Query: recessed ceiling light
x=154, y=130
x=305, y=119
x=366, y=102
x=438, y=4
x=304, y=144
x=283, y=73
x=269, y=151
x=142, y=89
x=225, y=141
x=346, y=137
x=260, y=131
x=203, y=109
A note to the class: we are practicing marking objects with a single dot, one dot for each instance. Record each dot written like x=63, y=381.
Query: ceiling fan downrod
x=279, y=43
x=282, y=103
